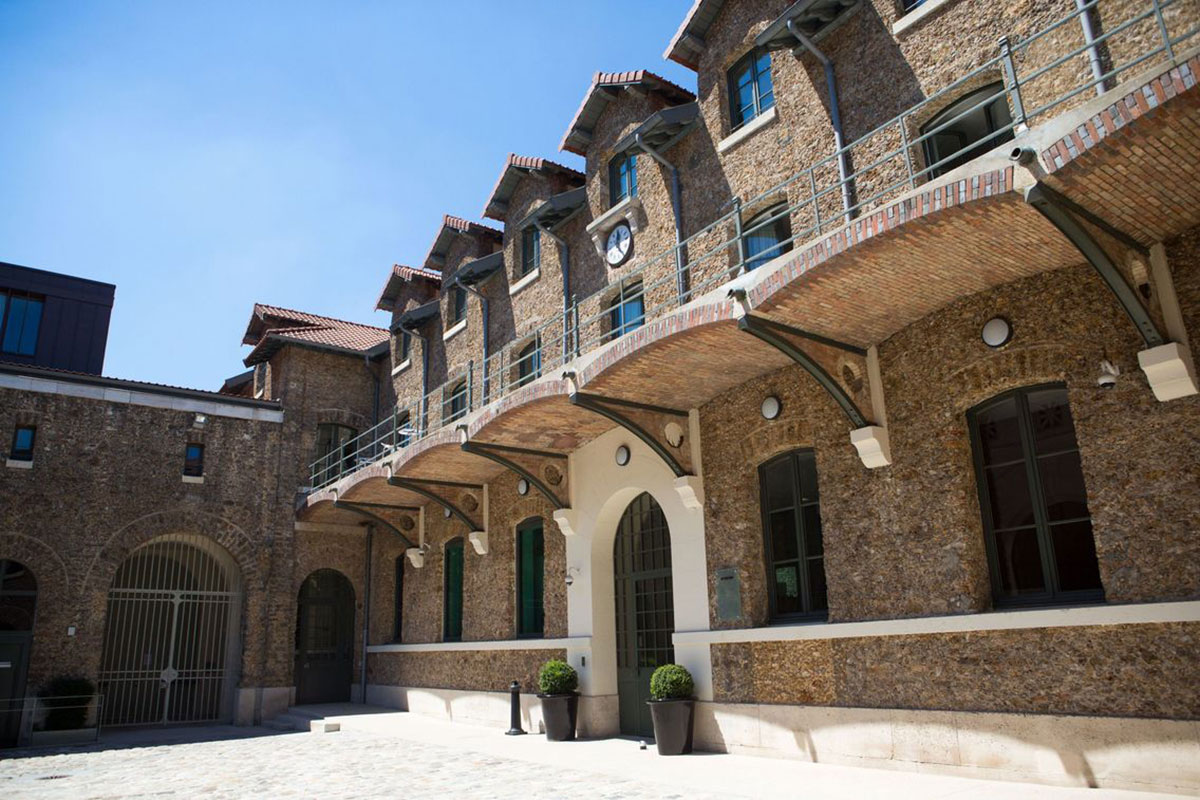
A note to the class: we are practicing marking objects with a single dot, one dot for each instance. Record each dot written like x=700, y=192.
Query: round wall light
x=997, y=332
x=446, y=512
x=771, y=407
x=522, y=487
x=622, y=456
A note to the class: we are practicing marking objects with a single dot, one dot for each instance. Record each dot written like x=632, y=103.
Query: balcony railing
x=1046, y=72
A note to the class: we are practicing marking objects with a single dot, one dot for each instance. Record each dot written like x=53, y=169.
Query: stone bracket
x=479, y=540
x=1058, y=210
x=872, y=445
x=636, y=417
x=568, y=521
x=690, y=489
x=1170, y=370
x=439, y=492
x=527, y=464
x=416, y=557
x=364, y=510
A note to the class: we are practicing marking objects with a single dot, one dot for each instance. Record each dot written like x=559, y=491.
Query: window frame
x=459, y=390
x=456, y=545
x=457, y=305
x=1029, y=456
x=973, y=149
x=622, y=178
x=531, y=251
x=346, y=460
x=405, y=345
x=783, y=244
x=529, y=363
x=6, y=304
x=752, y=59
x=626, y=294
x=528, y=526
x=23, y=454
x=809, y=614
x=193, y=467
x=398, y=601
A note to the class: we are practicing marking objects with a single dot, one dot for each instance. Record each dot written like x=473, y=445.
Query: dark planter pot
x=673, y=725
x=559, y=711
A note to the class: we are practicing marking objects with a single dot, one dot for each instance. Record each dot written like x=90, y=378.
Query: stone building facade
x=891, y=444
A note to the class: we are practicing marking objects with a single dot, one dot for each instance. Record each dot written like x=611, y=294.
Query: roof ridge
x=288, y=311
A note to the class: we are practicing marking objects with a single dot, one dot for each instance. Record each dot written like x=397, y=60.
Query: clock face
x=620, y=241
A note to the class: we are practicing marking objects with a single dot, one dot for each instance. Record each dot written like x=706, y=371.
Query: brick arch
x=340, y=416
x=1008, y=369
x=48, y=567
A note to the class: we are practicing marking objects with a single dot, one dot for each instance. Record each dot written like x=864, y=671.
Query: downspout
x=1089, y=38
x=680, y=258
x=366, y=623
x=483, y=302
x=834, y=115
x=424, y=372
x=375, y=400
x=565, y=260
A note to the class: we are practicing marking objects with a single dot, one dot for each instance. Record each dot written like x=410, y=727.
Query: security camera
x=1108, y=375
x=570, y=579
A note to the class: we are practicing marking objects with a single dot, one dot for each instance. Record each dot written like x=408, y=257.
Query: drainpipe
x=565, y=260
x=680, y=259
x=1089, y=37
x=375, y=401
x=424, y=371
x=366, y=623
x=834, y=115
x=483, y=302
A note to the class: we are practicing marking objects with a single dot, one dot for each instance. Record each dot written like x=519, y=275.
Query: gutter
x=565, y=259
x=835, y=117
x=483, y=302
x=680, y=258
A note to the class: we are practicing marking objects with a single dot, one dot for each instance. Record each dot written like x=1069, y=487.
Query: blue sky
x=204, y=156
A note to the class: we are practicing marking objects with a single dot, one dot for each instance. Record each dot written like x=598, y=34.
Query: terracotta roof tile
x=504, y=185
x=588, y=110
x=306, y=328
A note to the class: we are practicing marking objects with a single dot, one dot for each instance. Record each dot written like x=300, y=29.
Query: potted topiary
x=67, y=700
x=672, y=707
x=560, y=702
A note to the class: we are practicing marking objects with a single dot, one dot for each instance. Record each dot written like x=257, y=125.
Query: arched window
x=18, y=596
x=791, y=516
x=335, y=451
x=767, y=236
x=398, y=602
x=1032, y=496
x=529, y=363
x=530, y=578
x=404, y=429
x=966, y=129
x=452, y=591
x=626, y=311
x=455, y=404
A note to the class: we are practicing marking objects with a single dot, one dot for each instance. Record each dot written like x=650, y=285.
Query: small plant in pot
x=672, y=708
x=557, y=682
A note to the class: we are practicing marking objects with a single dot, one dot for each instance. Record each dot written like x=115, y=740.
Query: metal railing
x=56, y=719
x=1036, y=75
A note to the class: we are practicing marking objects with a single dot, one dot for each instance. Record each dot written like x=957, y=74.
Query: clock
x=619, y=245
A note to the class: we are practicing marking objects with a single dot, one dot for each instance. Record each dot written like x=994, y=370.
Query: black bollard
x=514, y=721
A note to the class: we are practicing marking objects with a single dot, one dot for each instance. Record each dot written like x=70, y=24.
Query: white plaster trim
x=926, y=9
x=872, y=445
x=416, y=556
x=111, y=394
x=193, y=479
x=14, y=463
x=746, y=131
x=461, y=325
x=525, y=280
x=495, y=644
x=479, y=540
x=622, y=210
x=1170, y=371
x=1132, y=614
x=403, y=365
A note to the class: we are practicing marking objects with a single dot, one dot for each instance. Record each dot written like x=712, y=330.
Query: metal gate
x=645, y=610
x=325, y=638
x=170, y=636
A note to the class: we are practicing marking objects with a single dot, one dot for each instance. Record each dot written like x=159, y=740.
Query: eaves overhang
x=418, y=316
x=816, y=19
x=515, y=168
x=661, y=130
x=556, y=209
x=605, y=88
x=399, y=277
x=479, y=270
x=688, y=42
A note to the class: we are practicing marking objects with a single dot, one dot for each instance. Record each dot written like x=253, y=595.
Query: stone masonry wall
x=479, y=670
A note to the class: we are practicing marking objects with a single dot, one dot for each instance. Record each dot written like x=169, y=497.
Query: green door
x=645, y=614
x=325, y=638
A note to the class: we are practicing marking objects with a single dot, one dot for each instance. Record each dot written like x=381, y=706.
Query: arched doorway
x=170, y=650
x=18, y=601
x=644, y=608
x=325, y=638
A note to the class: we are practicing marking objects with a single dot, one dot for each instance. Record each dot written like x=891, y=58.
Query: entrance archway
x=325, y=638
x=170, y=650
x=18, y=602
x=645, y=613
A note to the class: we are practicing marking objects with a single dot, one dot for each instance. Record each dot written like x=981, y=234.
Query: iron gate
x=170, y=634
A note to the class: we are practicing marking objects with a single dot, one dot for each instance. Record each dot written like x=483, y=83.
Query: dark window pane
x=779, y=484
x=816, y=585
x=1062, y=486
x=787, y=589
x=22, y=446
x=999, y=432
x=21, y=326
x=1008, y=493
x=1050, y=416
x=1020, y=562
x=784, y=546
x=808, y=477
x=1075, y=556
x=813, y=544
x=967, y=128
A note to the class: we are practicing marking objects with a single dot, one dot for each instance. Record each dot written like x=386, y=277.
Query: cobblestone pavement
x=346, y=764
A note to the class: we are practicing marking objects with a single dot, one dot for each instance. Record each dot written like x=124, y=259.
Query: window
x=529, y=363
x=1031, y=493
x=20, y=319
x=260, y=379
x=403, y=346
x=334, y=446
x=627, y=311
x=531, y=250
x=404, y=429
x=22, y=443
x=530, y=576
x=969, y=127
x=452, y=591
x=792, y=529
x=750, y=89
x=458, y=305
x=766, y=236
x=622, y=178
x=398, y=602
x=193, y=460
x=455, y=405
x=909, y=5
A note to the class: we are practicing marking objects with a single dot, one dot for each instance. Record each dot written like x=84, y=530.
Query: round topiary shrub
x=671, y=682
x=557, y=677
x=66, y=699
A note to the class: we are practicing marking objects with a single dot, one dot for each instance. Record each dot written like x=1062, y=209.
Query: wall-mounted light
x=771, y=407
x=522, y=487
x=622, y=456
x=200, y=421
x=446, y=512
x=571, y=573
x=997, y=332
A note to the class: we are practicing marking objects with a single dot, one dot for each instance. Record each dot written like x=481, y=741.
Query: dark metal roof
x=556, y=209
x=479, y=270
x=661, y=129
x=815, y=19
x=419, y=315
